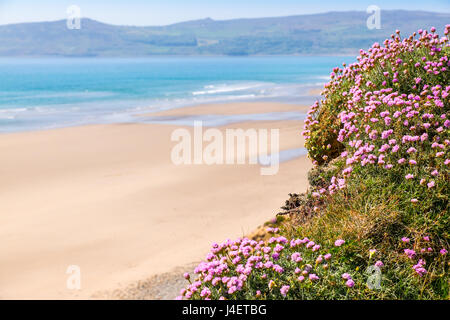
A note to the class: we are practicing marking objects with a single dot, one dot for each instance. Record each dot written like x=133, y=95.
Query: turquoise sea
x=50, y=93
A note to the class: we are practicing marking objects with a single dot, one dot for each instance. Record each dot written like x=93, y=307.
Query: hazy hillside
x=327, y=33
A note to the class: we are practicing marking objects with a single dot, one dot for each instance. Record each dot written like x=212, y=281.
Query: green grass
x=380, y=142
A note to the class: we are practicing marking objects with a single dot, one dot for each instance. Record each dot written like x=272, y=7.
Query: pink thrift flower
x=410, y=253
x=284, y=290
x=379, y=264
x=272, y=230
x=339, y=242
x=278, y=268
x=419, y=268
x=346, y=276
x=350, y=283
x=296, y=257
x=205, y=293
x=232, y=289
x=313, y=277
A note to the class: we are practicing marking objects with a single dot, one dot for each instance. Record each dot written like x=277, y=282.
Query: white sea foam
x=227, y=88
x=13, y=110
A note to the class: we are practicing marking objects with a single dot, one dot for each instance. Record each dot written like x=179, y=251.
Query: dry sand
x=108, y=199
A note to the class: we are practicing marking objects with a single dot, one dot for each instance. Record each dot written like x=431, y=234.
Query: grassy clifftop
x=375, y=222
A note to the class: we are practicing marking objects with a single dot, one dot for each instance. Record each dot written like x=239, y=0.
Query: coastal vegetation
x=375, y=221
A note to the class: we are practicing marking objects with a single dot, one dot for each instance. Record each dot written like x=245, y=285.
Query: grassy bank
x=375, y=222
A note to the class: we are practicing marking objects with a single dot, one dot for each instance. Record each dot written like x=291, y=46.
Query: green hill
x=325, y=33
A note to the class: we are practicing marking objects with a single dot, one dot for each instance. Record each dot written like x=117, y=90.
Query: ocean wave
x=124, y=108
x=13, y=110
x=224, y=88
x=61, y=94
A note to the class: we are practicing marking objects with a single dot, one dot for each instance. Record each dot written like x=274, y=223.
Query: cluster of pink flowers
x=419, y=267
x=379, y=125
x=348, y=280
x=393, y=118
x=379, y=264
x=272, y=230
x=278, y=266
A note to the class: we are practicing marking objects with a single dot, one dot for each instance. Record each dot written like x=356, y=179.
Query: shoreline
x=130, y=117
x=108, y=198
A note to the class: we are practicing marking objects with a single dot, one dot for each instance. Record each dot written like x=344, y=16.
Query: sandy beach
x=232, y=108
x=108, y=198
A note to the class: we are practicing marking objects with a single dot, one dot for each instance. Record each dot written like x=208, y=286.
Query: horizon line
x=220, y=20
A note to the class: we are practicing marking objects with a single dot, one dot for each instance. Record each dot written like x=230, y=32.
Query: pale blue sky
x=161, y=12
